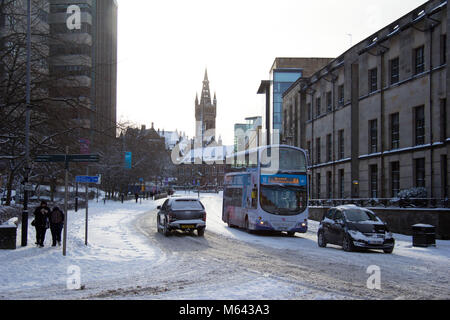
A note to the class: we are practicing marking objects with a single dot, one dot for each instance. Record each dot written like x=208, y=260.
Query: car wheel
x=201, y=232
x=158, y=225
x=166, y=231
x=388, y=251
x=347, y=244
x=321, y=241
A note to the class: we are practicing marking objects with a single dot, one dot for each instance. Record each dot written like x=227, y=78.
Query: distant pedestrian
x=136, y=195
x=56, y=225
x=41, y=223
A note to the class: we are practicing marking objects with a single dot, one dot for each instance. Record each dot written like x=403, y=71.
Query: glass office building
x=282, y=79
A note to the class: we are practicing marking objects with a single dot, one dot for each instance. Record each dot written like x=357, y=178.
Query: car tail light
x=204, y=216
x=172, y=216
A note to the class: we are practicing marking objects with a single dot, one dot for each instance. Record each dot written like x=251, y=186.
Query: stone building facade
x=375, y=120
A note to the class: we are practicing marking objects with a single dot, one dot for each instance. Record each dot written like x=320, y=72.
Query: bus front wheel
x=247, y=226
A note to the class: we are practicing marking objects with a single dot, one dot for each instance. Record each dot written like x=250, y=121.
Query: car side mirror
x=158, y=207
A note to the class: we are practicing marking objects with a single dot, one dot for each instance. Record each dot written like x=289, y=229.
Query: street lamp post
x=27, y=130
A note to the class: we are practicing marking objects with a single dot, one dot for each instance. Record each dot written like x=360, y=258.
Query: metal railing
x=431, y=203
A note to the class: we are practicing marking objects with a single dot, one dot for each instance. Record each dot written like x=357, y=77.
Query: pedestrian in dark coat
x=41, y=222
x=56, y=225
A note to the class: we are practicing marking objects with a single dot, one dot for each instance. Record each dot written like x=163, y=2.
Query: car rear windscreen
x=186, y=205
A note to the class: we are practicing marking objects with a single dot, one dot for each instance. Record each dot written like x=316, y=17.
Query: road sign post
x=87, y=180
x=66, y=159
x=87, y=210
x=65, y=203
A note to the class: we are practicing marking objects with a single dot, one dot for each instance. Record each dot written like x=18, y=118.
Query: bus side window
x=238, y=198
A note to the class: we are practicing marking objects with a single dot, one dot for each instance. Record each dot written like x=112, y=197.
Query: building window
x=395, y=179
x=373, y=80
x=329, y=102
x=419, y=115
x=373, y=171
x=318, y=186
x=444, y=176
x=308, y=106
x=373, y=136
x=395, y=70
x=341, y=144
x=341, y=95
x=443, y=120
x=329, y=148
x=318, y=147
x=341, y=183
x=419, y=165
x=443, y=49
x=419, y=60
x=329, y=185
x=318, y=106
x=395, y=131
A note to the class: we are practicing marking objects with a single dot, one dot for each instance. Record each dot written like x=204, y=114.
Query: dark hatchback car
x=184, y=214
x=353, y=227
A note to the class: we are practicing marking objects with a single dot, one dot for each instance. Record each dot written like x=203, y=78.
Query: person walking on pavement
x=41, y=223
x=136, y=195
x=56, y=225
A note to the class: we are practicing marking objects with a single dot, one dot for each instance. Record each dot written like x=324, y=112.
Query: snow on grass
x=114, y=249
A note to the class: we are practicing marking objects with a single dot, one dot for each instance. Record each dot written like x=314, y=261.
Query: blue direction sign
x=88, y=179
x=128, y=160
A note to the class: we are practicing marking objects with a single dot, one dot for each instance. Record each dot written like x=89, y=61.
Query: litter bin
x=424, y=235
x=8, y=234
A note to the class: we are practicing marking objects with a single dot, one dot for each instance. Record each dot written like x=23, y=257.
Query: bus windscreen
x=283, y=200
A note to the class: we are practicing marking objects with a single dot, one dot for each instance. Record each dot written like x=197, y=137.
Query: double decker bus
x=267, y=190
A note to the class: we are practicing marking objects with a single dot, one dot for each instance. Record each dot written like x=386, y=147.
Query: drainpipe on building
x=333, y=81
x=333, y=146
x=312, y=184
x=382, y=119
x=431, y=111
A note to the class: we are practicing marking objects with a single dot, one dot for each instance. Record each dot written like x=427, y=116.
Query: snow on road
x=308, y=242
x=127, y=259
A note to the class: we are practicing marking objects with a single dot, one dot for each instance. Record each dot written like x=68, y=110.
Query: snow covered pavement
x=127, y=259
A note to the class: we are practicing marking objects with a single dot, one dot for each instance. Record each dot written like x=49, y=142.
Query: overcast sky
x=165, y=46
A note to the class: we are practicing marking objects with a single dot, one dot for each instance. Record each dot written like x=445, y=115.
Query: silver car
x=186, y=214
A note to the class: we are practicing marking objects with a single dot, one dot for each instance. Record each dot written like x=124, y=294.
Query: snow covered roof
x=171, y=138
x=208, y=154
